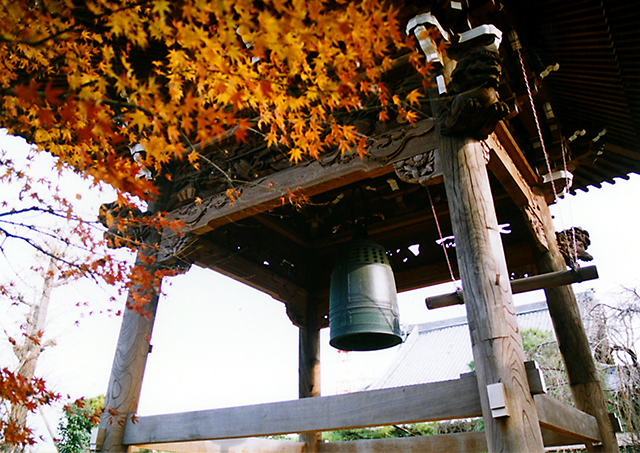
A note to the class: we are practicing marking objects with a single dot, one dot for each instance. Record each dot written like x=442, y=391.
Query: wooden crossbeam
x=313, y=177
x=559, y=417
x=439, y=443
x=228, y=446
x=517, y=179
x=523, y=285
x=445, y=400
x=471, y=442
x=417, y=403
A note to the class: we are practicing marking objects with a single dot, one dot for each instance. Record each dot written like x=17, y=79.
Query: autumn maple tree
x=121, y=90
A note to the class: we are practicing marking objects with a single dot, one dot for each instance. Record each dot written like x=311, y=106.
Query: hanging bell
x=363, y=310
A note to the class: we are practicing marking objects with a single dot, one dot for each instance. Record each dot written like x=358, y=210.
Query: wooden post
x=123, y=392
x=497, y=347
x=572, y=338
x=309, y=366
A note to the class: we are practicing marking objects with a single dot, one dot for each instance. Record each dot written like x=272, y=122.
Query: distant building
x=441, y=350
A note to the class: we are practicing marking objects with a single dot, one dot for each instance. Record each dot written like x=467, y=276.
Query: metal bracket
x=497, y=400
x=419, y=26
x=97, y=438
x=482, y=30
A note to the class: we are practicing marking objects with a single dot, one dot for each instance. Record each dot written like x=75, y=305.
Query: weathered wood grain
x=249, y=445
x=522, y=285
x=473, y=442
x=312, y=178
x=442, y=443
x=125, y=383
x=309, y=382
x=497, y=347
x=559, y=417
x=572, y=338
x=508, y=173
x=516, y=155
x=427, y=402
x=435, y=401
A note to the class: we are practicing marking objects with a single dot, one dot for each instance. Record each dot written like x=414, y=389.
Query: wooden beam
x=445, y=400
x=417, y=403
x=516, y=155
x=227, y=446
x=312, y=178
x=517, y=186
x=309, y=382
x=535, y=378
x=554, y=279
x=257, y=276
x=439, y=443
x=563, y=308
x=496, y=343
x=472, y=442
x=127, y=371
x=559, y=417
x=523, y=285
x=572, y=339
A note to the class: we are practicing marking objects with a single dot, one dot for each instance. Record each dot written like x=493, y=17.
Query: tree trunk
x=29, y=352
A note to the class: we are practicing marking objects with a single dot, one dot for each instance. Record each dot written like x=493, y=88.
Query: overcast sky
x=217, y=343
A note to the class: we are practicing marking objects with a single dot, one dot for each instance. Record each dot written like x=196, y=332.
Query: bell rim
x=341, y=341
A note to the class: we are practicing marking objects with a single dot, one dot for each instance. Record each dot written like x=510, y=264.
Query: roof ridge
x=461, y=320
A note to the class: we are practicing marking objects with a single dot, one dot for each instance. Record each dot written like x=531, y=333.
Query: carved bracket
x=423, y=169
x=126, y=226
x=573, y=244
x=334, y=169
x=473, y=107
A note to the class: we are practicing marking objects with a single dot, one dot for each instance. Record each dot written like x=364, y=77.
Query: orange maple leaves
x=16, y=389
x=84, y=82
x=122, y=89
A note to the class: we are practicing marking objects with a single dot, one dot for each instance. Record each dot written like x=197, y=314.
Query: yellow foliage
x=170, y=73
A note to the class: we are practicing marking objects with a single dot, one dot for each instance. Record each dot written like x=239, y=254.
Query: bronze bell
x=363, y=311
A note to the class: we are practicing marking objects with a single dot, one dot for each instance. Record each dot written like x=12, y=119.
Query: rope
x=535, y=117
x=574, y=242
x=574, y=248
x=444, y=248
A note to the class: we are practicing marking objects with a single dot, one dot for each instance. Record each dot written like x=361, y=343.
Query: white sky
x=217, y=343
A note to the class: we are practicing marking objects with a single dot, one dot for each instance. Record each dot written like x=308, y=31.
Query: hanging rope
x=535, y=117
x=574, y=243
x=444, y=248
x=518, y=48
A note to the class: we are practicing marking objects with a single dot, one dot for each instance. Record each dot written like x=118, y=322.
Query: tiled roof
x=596, y=45
x=440, y=351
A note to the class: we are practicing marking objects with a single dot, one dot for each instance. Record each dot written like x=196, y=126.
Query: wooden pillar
x=309, y=367
x=572, y=338
x=497, y=346
x=125, y=383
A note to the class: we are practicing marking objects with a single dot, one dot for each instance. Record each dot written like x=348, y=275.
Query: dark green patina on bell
x=363, y=313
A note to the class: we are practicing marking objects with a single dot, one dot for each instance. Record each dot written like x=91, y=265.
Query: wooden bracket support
x=523, y=285
x=537, y=384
